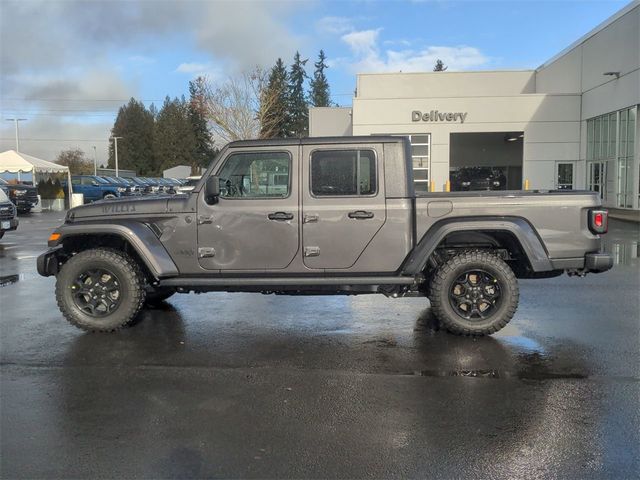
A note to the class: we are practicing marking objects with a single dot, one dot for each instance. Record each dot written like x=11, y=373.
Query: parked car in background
x=8, y=214
x=189, y=184
x=477, y=178
x=120, y=183
x=24, y=197
x=95, y=188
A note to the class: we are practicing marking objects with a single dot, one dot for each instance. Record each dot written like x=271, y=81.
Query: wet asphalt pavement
x=246, y=385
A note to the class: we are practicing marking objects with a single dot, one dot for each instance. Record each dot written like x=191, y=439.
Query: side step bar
x=282, y=281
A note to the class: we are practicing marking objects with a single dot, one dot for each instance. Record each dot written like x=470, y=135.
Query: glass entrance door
x=626, y=149
x=565, y=175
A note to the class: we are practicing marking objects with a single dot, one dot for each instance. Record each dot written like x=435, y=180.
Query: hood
x=157, y=204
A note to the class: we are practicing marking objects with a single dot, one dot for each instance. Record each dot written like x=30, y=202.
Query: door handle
x=360, y=215
x=280, y=216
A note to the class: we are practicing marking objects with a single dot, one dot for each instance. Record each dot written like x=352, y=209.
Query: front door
x=343, y=203
x=254, y=225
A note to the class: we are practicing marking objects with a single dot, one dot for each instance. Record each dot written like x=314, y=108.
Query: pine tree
x=174, y=139
x=204, y=150
x=274, y=103
x=319, y=94
x=134, y=124
x=298, y=123
x=439, y=66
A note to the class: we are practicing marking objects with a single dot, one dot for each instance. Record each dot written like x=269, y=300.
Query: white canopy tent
x=16, y=162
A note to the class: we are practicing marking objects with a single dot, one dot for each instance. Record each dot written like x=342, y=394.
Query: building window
x=564, y=176
x=421, y=161
x=343, y=172
x=611, y=147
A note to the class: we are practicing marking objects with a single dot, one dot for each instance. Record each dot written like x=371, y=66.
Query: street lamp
x=115, y=141
x=16, y=120
x=95, y=161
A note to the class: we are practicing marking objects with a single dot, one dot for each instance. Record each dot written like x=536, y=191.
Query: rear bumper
x=598, y=262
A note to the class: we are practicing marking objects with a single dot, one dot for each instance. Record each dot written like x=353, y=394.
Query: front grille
x=7, y=212
x=32, y=195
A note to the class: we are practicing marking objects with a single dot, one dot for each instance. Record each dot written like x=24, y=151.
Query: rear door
x=343, y=203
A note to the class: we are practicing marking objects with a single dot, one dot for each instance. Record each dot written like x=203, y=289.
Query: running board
x=282, y=281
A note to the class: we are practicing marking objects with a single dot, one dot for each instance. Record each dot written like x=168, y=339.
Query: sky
x=66, y=66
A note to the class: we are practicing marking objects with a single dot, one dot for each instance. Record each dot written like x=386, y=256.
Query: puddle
x=9, y=279
x=526, y=374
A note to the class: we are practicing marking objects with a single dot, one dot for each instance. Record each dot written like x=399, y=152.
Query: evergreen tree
x=274, y=103
x=298, y=122
x=439, y=66
x=204, y=150
x=319, y=95
x=174, y=139
x=134, y=124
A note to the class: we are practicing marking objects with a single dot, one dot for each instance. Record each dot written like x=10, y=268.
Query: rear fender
x=531, y=243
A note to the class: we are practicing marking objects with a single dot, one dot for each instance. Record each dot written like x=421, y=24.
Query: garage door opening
x=486, y=161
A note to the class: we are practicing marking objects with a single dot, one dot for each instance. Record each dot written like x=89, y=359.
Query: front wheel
x=109, y=196
x=474, y=293
x=100, y=290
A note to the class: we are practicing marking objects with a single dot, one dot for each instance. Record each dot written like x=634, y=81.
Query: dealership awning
x=16, y=162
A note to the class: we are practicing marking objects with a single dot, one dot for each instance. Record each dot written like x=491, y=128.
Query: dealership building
x=569, y=124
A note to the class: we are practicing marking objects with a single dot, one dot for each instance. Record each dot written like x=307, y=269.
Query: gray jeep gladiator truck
x=322, y=216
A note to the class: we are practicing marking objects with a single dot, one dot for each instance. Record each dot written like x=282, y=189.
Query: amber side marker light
x=54, y=237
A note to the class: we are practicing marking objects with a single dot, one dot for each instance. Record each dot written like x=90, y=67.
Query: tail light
x=598, y=221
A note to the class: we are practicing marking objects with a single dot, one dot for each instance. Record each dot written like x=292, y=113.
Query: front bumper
x=598, y=262
x=48, y=263
x=13, y=224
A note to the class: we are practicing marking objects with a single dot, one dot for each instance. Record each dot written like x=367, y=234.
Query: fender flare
x=524, y=232
x=146, y=244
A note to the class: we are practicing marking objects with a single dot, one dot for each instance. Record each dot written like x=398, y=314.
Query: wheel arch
x=135, y=238
x=512, y=233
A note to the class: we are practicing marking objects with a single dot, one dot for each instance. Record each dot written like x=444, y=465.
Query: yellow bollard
x=447, y=186
x=432, y=186
x=526, y=184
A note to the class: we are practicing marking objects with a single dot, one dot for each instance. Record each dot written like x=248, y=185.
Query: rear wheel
x=474, y=293
x=109, y=196
x=100, y=290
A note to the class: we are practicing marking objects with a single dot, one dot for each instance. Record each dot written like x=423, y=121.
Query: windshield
x=3, y=182
x=100, y=180
x=3, y=196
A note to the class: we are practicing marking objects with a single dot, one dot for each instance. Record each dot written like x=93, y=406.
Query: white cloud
x=192, y=67
x=334, y=25
x=368, y=57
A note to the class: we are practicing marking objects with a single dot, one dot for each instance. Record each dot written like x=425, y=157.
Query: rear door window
x=343, y=173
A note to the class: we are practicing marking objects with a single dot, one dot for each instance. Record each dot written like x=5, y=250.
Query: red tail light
x=598, y=221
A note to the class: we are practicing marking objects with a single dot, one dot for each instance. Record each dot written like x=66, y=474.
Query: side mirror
x=212, y=189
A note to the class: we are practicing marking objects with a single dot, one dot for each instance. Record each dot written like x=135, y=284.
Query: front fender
x=141, y=238
x=519, y=227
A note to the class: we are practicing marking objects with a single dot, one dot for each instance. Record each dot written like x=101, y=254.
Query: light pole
x=16, y=120
x=115, y=141
x=95, y=161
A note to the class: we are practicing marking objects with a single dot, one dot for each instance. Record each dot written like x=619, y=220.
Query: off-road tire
x=447, y=274
x=131, y=282
x=158, y=295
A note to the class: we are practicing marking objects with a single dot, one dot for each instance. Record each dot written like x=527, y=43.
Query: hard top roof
x=317, y=141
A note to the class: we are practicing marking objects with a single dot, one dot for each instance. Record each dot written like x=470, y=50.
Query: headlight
x=19, y=193
x=496, y=184
x=466, y=184
x=121, y=189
